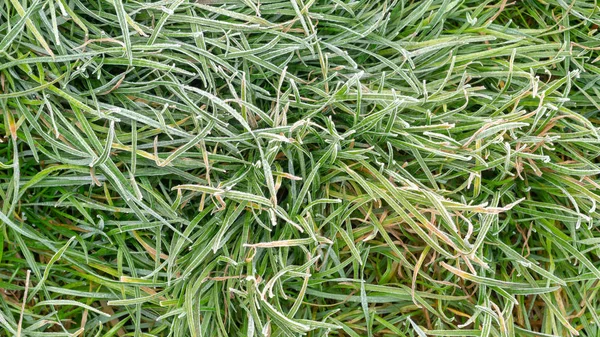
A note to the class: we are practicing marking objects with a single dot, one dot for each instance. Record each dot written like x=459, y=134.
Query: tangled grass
x=289, y=167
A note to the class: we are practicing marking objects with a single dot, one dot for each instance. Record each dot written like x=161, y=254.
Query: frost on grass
x=279, y=168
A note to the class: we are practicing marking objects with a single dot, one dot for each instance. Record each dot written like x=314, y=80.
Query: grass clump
x=303, y=167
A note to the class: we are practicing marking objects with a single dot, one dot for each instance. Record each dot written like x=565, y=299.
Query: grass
x=326, y=168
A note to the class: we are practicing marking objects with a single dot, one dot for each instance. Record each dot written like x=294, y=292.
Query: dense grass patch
x=319, y=167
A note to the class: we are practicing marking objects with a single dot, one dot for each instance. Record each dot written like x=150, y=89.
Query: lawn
x=344, y=168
